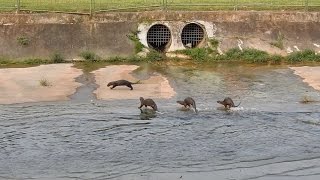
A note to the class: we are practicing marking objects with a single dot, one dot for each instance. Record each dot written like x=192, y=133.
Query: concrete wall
x=105, y=34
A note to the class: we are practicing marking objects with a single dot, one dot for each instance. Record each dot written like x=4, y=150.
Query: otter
x=121, y=83
x=188, y=102
x=148, y=102
x=228, y=103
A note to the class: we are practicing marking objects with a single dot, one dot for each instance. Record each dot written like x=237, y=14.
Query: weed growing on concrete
x=44, y=82
x=279, y=42
x=23, y=41
x=305, y=55
x=138, y=46
x=35, y=61
x=154, y=55
x=214, y=43
x=198, y=54
x=90, y=56
x=307, y=99
x=57, y=58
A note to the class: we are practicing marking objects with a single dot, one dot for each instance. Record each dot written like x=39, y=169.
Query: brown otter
x=148, y=102
x=188, y=102
x=121, y=83
x=228, y=103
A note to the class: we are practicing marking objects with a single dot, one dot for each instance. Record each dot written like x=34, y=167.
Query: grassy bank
x=134, y=5
x=197, y=55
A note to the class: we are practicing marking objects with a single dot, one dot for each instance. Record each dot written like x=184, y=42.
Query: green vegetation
x=279, y=42
x=138, y=46
x=44, y=82
x=307, y=99
x=90, y=56
x=154, y=55
x=249, y=55
x=305, y=55
x=57, y=58
x=83, y=6
x=197, y=54
x=23, y=41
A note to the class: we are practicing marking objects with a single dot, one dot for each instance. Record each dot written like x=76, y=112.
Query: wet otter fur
x=148, y=102
x=228, y=103
x=121, y=83
x=188, y=102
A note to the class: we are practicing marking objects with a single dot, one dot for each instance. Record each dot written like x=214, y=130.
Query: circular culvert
x=159, y=37
x=192, y=35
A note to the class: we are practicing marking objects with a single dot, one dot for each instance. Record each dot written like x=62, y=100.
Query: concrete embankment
x=39, y=35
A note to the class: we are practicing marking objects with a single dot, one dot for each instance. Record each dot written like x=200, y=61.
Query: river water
x=271, y=135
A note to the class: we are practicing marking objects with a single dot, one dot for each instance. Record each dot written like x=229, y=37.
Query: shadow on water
x=270, y=136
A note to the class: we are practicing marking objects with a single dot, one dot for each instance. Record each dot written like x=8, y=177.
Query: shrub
x=44, y=82
x=199, y=54
x=24, y=41
x=57, y=58
x=305, y=55
x=89, y=56
x=154, y=55
x=138, y=46
x=279, y=42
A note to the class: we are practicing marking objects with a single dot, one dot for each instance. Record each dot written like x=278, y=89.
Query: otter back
x=188, y=102
x=120, y=83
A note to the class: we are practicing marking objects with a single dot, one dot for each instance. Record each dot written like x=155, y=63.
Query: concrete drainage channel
x=171, y=36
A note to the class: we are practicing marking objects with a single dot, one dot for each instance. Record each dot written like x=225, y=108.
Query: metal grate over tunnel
x=192, y=35
x=159, y=37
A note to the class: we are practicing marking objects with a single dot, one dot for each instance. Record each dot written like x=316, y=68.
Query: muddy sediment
x=19, y=85
x=310, y=75
x=154, y=86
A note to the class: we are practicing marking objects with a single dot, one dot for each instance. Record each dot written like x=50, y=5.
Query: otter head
x=141, y=99
x=109, y=84
x=180, y=102
x=220, y=102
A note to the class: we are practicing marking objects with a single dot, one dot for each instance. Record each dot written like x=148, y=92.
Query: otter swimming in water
x=148, y=102
x=188, y=102
x=121, y=83
x=228, y=103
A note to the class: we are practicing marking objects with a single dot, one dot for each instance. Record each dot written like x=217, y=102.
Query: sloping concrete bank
x=39, y=35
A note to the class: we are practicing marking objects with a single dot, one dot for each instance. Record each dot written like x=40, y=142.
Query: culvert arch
x=192, y=35
x=159, y=37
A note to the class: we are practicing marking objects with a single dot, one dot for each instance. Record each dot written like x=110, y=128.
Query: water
x=270, y=136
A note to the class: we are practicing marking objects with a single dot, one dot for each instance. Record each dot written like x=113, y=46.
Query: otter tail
x=155, y=107
x=137, y=82
x=195, y=107
x=238, y=104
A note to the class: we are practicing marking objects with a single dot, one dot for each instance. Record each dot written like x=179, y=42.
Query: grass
x=279, y=42
x=201, y=55
x=89, y=56
x=44, y=82
x=307, y=100
x=136, y=5
x=57, y=58
x=138, y=46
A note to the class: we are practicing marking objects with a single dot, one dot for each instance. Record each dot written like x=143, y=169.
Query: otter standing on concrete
x=121, y=83
x=228, y=103
x=148, y=102
x=188, y=102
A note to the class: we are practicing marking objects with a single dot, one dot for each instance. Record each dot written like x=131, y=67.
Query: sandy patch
x=155, y=87
x=310, y=75
x=18, y=85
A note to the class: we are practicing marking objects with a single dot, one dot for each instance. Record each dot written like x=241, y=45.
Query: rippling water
x=270, y=136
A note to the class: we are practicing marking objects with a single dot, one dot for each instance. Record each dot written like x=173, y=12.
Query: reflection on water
x=270, y=136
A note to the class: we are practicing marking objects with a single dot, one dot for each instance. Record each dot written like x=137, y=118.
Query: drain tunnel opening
x=192, y=35
x=159, y=37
